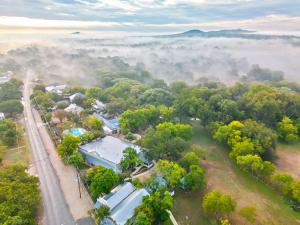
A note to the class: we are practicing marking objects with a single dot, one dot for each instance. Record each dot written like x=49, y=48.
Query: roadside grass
x=222, y=174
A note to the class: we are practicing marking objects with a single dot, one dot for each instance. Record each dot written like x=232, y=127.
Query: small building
x=108, y=152
x=111, y=126
x=2, y=116
x=56, y=89
x=76, y=96
x=73, y=108
x=98, y=106
x=122, y=201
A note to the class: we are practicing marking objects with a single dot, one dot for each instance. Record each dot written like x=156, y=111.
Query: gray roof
x=109, y=148
x=125, y=210
x=120, y=194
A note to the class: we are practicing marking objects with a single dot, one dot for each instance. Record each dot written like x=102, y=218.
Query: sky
x=273, y=16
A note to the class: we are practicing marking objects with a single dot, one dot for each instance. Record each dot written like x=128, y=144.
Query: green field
x=246, y=190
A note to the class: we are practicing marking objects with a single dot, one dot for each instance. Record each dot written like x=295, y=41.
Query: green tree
x=20, y=196
x=91, y=172
x=287, y=131
x=159, y=203
x=141, y=219
x=248, y=213
x=93, y=123
x=101, y=213
x=69, y=145
x=218, y=205
x=189, y=159
x=171, y=171
x=103, y=182
x=130, y=159
x=9, y=132
x=295, y=191
x=11, y=107
x=195, y=179
x=282, y=182
x=76, y=159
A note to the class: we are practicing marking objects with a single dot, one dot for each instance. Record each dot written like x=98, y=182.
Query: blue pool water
x=75, y=131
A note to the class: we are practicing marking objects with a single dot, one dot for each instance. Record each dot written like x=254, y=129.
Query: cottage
x=56, y=89
x=111, y=126
x=122, y=201
x=73, y=108
x=2, y=116
x=108, y=152
x=76, y=96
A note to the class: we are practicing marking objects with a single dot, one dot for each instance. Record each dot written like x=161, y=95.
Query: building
x=98, y=106
x=111, y=126
x=122, y=201
x=2, y=116
x=73, y=108
x=76, y=96
x=5, y=77
x=56, y=89
x=108, y=152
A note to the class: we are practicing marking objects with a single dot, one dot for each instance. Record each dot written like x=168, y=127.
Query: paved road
x=55, y=208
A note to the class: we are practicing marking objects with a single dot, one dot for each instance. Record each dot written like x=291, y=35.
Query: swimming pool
x=75, y=131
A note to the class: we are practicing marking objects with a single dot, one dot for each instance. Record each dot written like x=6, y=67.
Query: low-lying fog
x=189, y=59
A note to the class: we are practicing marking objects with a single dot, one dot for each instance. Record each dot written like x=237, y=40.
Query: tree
x=282, y=182
x=287, y=131
x=69, y=145
x=91, y=172
x=295, y=191
x=20, y=196
x=189, y=159
x=141, y=219
x=60, y=114
x=9, y=132
x=249, y=213
x=11, y=107
x=95, y=92
x=76, y=159
x=93, y=123
x=130, y=159
x=195, y=179
x=101, y=213
x=218, y=205
x=158, y=204
x=167, y=141
x=156, y=96
x=103, y=182
x=171, y=171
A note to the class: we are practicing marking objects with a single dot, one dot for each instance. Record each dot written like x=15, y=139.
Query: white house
x=76, y=95
x=73, y=108
x=57, y=89
x=98, y=106
x=108, y=152
x=122, y=201
x=2, y=116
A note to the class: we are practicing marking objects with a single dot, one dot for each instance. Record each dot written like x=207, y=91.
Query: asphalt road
x=55, y=208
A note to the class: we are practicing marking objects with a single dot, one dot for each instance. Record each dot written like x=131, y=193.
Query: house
x=98, y=106
x=76, y=96
x=2, y=116
x=73, y=108
x=108, y=152
x=111, y=126
x=5, y=77
x=56, y=89
x=122, y=201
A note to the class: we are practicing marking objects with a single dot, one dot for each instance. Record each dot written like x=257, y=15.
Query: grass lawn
x=246, y=190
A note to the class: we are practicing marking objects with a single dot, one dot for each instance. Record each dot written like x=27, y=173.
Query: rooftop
x=113, y=124
x=109, y=148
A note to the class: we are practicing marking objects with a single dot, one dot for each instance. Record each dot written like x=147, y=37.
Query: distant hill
x=234, y=33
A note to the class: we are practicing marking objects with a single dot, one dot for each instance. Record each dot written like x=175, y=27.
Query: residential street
x=59, y=187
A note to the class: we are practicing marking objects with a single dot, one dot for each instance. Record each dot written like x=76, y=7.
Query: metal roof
x=112, y=124
x=109, y=148
x=125, y=210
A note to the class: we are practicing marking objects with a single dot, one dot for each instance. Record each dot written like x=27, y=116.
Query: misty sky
x=152, y=15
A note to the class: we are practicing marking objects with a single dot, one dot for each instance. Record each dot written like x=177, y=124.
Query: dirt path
x=79, y=207
x=289, y=161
